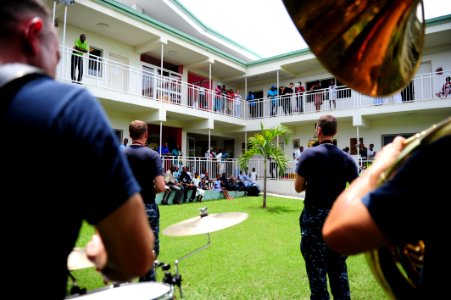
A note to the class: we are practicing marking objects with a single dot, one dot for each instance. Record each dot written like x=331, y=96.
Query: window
x=95, y=64
x=388, y=138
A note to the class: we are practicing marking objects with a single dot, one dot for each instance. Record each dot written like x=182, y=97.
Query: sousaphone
x=374, y=47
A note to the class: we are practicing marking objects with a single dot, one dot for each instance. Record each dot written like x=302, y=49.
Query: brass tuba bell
x=398, y=267
x=374, y=47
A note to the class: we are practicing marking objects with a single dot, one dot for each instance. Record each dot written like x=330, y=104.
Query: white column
x=209, y=139
x=161, y=75
x=161, y=134
x=246, y=106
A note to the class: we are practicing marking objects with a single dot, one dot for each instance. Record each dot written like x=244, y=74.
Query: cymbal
x=209, y=223
x=77, y=259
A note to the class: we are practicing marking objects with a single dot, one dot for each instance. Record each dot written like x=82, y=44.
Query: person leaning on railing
x=446, y=88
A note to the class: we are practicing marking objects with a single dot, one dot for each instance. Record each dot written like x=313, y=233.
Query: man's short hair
x=328, y=124
x=137, y=128
x=13, y=11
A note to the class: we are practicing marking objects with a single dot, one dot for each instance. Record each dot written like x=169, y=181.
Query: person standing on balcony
x=76, y=62
x=230, y=100
x=299, y=90
x=202, y=98
x=332, y=94
x=46, y=111
x=323, y=172
x=218, y=98
x=272, y=94
x=286, y=99
x=252, y=104
x=446, y=88
x=146, y=166
x=164, y=150
x=317, y=95
x=237, y=103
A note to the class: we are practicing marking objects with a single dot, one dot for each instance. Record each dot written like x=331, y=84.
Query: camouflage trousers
x=320, y=261
x=153, y=216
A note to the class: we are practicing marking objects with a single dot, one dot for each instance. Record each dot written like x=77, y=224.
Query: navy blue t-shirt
x=146, y=165
x=61, y=165
x=410, y=207
x=326, y=170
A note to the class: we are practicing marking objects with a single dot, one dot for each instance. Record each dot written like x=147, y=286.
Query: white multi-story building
x=153, y=60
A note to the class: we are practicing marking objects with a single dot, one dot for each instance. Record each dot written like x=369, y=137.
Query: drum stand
x=176, y=279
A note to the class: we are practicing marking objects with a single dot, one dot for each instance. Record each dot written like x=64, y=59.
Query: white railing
x=120, y=77
x=230, y=167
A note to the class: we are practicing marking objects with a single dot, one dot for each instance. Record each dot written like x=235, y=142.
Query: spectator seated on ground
x=219, y=186
x=204, y=184
x=199, y=191
x=187, y=183
x=174, y=185
x=245, y=179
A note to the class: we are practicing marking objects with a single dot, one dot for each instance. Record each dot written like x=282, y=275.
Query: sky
x=258, y=25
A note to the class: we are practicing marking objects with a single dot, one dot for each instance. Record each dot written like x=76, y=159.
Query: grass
x=256, y=259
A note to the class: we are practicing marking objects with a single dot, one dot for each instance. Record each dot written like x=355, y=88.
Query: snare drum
x=128, y=291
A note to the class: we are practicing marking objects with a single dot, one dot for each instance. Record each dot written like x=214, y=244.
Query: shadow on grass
x=274, y=209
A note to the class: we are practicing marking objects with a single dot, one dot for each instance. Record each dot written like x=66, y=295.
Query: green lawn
x=256, y=259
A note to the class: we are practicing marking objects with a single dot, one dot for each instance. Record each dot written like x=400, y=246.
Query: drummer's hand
x=95, y=251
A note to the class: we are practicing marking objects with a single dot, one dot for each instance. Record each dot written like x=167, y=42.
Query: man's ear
x=30, y=37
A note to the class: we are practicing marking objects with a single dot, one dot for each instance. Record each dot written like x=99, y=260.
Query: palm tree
x=265, y=144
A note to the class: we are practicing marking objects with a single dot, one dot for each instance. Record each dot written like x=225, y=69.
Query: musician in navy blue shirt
x=79, y=175
x=406, y=209
x=323, y=172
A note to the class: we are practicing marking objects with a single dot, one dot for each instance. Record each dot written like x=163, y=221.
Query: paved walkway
x=299, y=196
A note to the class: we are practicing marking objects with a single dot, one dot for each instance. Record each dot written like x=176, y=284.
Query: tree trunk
x=264, y=186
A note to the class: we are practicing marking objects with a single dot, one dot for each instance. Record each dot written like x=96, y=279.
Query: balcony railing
x=230, y=166
x=147, y=82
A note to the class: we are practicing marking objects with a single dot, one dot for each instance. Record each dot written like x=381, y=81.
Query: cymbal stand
x=176, y=280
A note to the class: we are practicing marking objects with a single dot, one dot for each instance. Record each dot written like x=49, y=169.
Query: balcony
x=154, y=87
